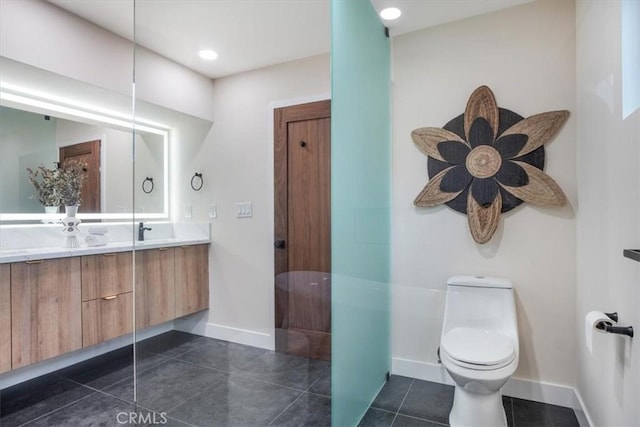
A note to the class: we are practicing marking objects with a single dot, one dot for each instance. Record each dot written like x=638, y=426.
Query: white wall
x=526, y=55
x=236, y=160
x=40, y=34
x=608, y=219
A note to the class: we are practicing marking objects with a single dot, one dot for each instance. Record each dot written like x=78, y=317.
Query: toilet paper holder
x=608, y=327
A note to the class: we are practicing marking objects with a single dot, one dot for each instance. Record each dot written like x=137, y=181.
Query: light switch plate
x=244, y=210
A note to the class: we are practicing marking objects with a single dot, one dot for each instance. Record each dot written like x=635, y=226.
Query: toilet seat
x=478, y=349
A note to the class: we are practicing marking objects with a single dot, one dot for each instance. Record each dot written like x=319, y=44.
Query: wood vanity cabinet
x=155, y=287
x=54, y=306
x=45, y=315
x=107, y=296
x=5, y=317
x=191, y=279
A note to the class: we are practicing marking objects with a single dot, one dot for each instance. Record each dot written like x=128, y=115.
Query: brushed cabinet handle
x=110, y=297
x=111, y=254
x=163, y=249
x=37, y=261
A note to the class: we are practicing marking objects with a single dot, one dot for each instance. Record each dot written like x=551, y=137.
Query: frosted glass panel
x=360, y=185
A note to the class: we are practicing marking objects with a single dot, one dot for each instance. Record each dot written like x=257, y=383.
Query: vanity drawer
x=107, y=274
x=106, y=318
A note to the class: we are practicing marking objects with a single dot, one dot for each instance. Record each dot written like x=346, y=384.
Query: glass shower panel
x=361, y=197
x=66, y=318
x=171, y=272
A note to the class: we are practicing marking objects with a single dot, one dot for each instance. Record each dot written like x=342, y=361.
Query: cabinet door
x=106, y=318
x=192, y=279
x=155, y=290
x=45, y=309
x=106, y=275
x=5, y=317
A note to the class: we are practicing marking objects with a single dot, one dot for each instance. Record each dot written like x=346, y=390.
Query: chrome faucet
x=141, y=229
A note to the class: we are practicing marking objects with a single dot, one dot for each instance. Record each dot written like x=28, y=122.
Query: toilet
x=479, y=347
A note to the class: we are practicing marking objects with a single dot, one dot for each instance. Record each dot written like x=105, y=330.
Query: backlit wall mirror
x=44, y=115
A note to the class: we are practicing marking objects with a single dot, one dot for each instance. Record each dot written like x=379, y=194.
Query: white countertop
x=20, y=255
x=182, y=235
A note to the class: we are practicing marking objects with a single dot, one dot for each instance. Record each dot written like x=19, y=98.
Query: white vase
x=71, y=210
x=70, y=229
x=51, y=209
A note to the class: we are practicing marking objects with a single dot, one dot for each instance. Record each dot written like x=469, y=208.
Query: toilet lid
x=478, y=346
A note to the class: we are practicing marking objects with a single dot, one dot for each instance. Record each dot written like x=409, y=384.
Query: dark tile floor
x=407, y=402
x=188, y=380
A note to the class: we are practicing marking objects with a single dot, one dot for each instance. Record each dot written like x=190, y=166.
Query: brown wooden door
x=303, y=229
x=88, y=152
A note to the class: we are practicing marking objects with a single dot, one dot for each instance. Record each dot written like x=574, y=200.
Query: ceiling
x=250, y=34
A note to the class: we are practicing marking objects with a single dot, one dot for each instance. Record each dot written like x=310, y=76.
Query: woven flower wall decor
x=487, y=161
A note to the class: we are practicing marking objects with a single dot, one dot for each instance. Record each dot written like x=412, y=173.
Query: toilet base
x=477, y=409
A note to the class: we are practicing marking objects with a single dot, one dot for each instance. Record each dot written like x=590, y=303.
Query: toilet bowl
x=479, y=347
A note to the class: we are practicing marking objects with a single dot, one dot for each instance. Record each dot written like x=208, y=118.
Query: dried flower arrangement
x=45, y=181
x=70, y=179
x=59, y=186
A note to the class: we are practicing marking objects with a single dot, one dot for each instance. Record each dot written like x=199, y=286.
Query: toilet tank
x=480, y=302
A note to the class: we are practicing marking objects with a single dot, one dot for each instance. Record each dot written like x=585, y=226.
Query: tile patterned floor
x=407, y=402
x=188, y=380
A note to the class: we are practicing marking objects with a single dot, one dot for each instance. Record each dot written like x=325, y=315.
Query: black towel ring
x=147, y=188
x=197, y=182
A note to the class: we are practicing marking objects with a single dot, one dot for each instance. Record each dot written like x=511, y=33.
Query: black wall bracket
x=620, y=330
x=633, y=254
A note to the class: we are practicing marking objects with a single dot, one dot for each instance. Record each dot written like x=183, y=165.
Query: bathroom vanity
x=57, y=300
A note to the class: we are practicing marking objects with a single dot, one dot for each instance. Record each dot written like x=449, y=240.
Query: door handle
x=279, y=244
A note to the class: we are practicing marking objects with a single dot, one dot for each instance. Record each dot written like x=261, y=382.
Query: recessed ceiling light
x=390, y=13
x=208, y=55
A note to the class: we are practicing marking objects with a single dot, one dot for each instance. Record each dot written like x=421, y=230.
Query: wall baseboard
x=582, y=414
x=554, y=394
x=20, y=375
x=227, y=333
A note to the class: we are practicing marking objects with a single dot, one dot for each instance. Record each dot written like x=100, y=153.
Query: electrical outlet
x=188, y=212
x=213, y=211
x=244, y=210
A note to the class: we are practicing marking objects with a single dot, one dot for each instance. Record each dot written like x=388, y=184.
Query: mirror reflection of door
x=88, y=152
x=302, y=155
